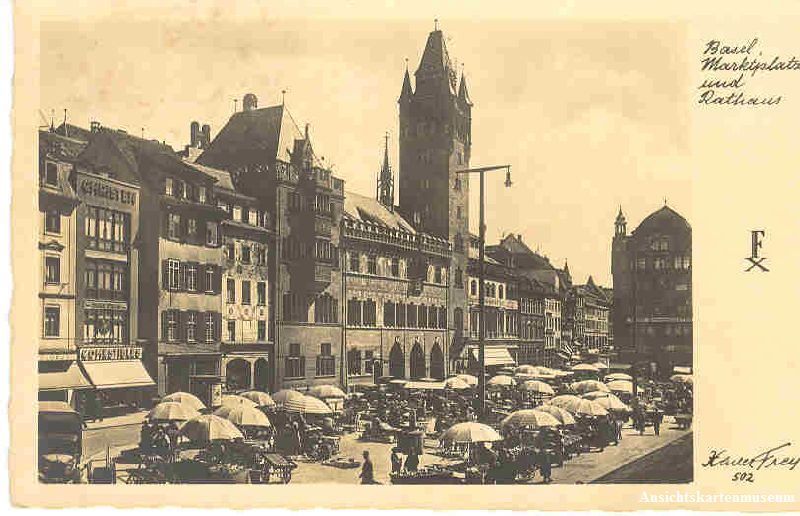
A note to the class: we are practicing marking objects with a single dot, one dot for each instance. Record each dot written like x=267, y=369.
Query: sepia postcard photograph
x=405, y=255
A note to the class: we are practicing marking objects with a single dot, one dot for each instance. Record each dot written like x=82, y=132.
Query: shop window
x=52, y=321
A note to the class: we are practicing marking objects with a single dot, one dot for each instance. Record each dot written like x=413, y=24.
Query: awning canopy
x=72, y=378
x=115, y=374
x=682, y=370
x=495, y=356
x=619, y=367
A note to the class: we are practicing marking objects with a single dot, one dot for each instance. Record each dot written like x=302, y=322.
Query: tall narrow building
x=435, y=142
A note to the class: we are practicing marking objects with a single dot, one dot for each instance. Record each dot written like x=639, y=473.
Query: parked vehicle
x=60, y=443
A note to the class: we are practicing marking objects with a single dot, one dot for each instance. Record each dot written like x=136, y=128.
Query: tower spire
x=385, y=187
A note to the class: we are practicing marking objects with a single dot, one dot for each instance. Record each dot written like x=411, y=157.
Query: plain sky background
x=591, y=115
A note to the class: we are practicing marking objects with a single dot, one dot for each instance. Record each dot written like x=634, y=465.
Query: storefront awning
x=116, y=374
x=495, y=356
x=72, y=378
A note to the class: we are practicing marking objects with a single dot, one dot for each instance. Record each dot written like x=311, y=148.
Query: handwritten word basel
x=745, y=61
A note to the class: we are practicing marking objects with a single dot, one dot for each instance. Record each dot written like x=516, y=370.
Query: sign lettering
x=110, y=353
x=97, y=188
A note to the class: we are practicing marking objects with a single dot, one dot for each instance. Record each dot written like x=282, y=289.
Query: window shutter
x=164, y=275
x=217, y=326
x=201, y=277
x=182, y=276
x=164, y=325
x=217, y=279
x=180, y=334
x=200, y=332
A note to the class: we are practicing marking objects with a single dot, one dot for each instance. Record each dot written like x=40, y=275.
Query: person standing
x=657, y=422
x=367, y=474
x=397, y=461
x=412, y=461
x=545, y=467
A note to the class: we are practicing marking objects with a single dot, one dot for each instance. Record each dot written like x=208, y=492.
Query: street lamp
x=481, y=277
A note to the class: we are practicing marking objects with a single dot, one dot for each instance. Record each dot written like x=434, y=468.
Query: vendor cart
x=683, y=420
x=279, y=465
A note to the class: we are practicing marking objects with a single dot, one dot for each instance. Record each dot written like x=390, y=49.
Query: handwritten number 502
x=742, y=477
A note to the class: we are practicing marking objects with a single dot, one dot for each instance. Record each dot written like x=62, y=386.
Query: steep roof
x=258, y=135
x=435, y=59
x=222, y=176
x=366, y=209
x=60, y=146
x=73, y=131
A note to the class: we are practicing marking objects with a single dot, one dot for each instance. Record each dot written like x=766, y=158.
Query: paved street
x=117, y=433
x=671, y=464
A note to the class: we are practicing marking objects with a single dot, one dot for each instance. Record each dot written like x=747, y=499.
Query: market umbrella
x=529, y=418
x=210, y=427
x=612, y=403
x=470, y=432
x=246, y=416
x=506, y=370
x=235, y=399
x=563, y=416
x=595, y=395
x=261, y=399
x=186, y=399
x=583, y=407
x=470, y=380
x=397, y=381
x=620, y=386
x=327, y=391
x=585, y=367
x=455, y=383
x=563, y=400
x=537, y=387
x=500, y=380
x=308, y=405
x=525, y=369
x=682, y=378
x=588, y=386
x=172, y=411
x=600, y=366
x=618, y=376
x=285, y=395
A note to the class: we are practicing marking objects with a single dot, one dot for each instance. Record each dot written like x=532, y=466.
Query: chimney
x=206, y=136
x=519, y=237
x=94, y=126
x=194, y=134
x=250, y=102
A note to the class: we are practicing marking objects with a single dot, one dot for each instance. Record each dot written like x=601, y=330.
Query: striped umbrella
x=537, y=387
x=563, y=416
x=307, y=405
x=529, y=418
x=208, y=428
x=470, y=432
x=261, y=399
x=172, y=411
x=186, y=399
x=588, y=386
x=235, y=399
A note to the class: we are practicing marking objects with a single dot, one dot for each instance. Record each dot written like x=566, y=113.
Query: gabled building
x=271, y=160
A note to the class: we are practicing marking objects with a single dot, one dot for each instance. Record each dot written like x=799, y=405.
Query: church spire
x=407, y=92
x=385, y=179
x=463, y=92
x=436, y=73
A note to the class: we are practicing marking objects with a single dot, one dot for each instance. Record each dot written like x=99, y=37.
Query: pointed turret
x=385, y=179
x=566, y=267
x=407, y=92
x=435, y=73
x=463, y=92
x=620, y=224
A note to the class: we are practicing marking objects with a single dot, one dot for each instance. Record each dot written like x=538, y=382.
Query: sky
x=591, y=115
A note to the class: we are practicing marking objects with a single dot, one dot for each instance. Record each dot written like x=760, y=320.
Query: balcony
x=323, y=274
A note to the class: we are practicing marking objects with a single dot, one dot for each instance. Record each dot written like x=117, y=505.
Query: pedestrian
x=545, y=467
x=657, y=422
x=397, y=461
x=367, y=474
x=412, y=461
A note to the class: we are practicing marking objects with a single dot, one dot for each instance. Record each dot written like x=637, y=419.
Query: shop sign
x=110, y=353
x=103, y=190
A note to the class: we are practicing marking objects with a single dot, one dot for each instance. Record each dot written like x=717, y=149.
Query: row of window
x=295, y=308
x=395, y=315
x=177, y=276
x=245, y=214
x=106, y=280
x=358, y=363
x=531, y=306
x=369, y=263
x=105, y=326
x=492, y=289
x=322, y=250
x=295, y=362
x=248, y=253
x=190, y=326
x=261, y=329
x=321, y=203
x=107, y=230
x=184, y=190
x=663, y=263
x=246, y=292
x=183, y=228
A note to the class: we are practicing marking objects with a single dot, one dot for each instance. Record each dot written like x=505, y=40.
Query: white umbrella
x=327, y=391
x=235, y=399
x=617, y=376
x=529, y=418
x=585, y=367
x=209, y=427
x=563, y=400
x=588, y=386
x=172, y=411
x=500, y=380
x=261, y=399
x=612, y=403
x=186, y=399
x=470, y=380
x=583, y=407
x=620, y=386
x=285, y=395
x=562, y=415
x=470, y=432
x=537, y=387
x=245, y=416
x=455, y=383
